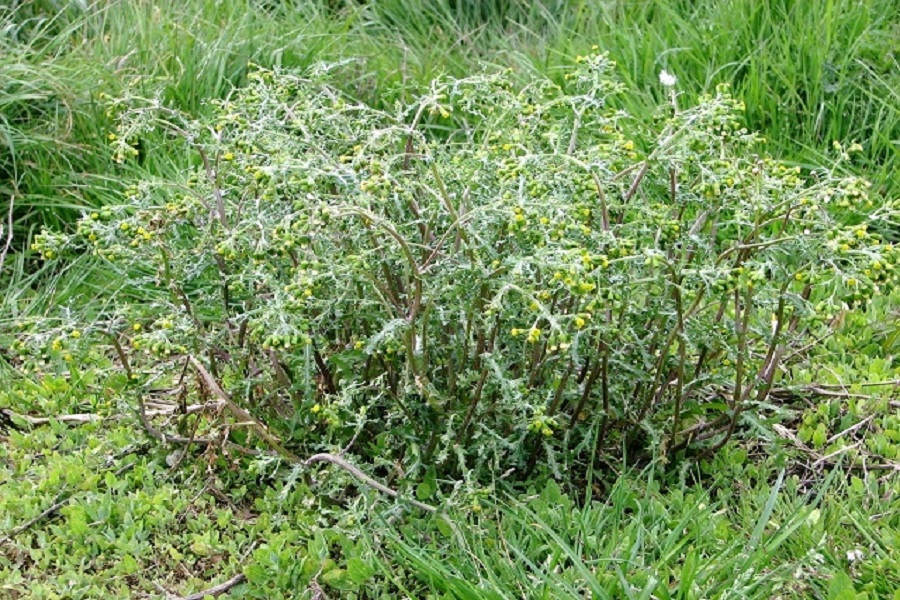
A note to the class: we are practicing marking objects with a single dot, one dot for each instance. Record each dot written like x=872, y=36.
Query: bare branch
x=217, y=590
x=31, y=522
x=358, y=474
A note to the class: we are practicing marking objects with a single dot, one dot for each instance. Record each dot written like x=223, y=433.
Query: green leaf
x=19, y=421
x=359, y=571
x=255, y=573
x=424, y=491
x=841, y=588
x=78, y=521
x=688, y=573
x=552, y=495
x=444, y=527
x=819, y=436
x=200, y=547
x=428, y=486
x=813, y=517
x=338, y=579
x=129, y=565
x=318, y=547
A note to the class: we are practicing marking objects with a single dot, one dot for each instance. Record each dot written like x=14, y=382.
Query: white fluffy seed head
x=667, y=79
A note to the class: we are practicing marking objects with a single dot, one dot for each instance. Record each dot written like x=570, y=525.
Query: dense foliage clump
x=486, y=276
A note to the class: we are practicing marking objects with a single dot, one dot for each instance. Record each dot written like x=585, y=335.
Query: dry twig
x=60, y=501
x=362, y=477
x=57, y=504
x=216, y=590
x=829, y=459
x=245, y=418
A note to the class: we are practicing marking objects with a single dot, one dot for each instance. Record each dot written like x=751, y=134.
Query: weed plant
x=537, y=284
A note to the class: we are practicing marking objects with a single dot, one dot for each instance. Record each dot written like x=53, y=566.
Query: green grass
x=771, y=535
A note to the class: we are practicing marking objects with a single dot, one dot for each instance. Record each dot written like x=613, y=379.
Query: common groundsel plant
x=491, y=277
